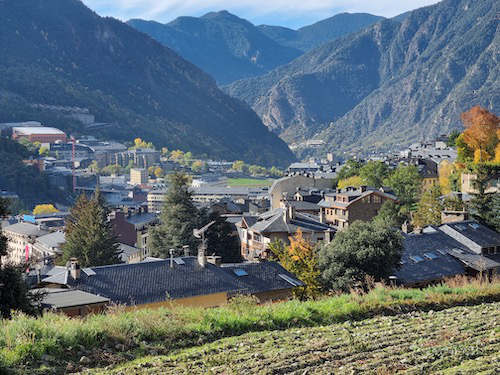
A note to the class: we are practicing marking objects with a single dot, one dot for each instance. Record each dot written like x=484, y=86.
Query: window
x=430, y=256
x=240, y=272
x=376, y=199
x=416, y=258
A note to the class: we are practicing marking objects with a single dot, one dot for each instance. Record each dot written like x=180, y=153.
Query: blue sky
x=290, y=13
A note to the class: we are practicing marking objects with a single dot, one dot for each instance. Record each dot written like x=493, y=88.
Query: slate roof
x=436, y=244
x=26, y=229
x=261, y=277
x=475, y=232
x=274, y=222
x=142, y=219
x=58, y=298
x=303, y=205
x=155, y=281
x=52, y=240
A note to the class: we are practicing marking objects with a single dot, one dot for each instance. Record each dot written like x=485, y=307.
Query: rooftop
x=475, y=232
x=27, y=229
x=37, y=130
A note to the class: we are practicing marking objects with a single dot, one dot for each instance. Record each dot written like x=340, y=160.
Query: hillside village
x=304, y=202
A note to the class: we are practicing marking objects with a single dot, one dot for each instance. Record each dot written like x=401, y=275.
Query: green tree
x=428, y=209
x=391, y=214
x=159, y=173
x=112, y=169
x=198, y=166
x=221, y=239
x=361, y=251
x=406, y=183
x=14, y=293
x=275, y=172
x=350, y=169
x=239, y=166
x=484, y=206
x=354, y=181
x=178, y=218
x=89, y=234
x=452, y=138
x=373, y=173
x=300, y=258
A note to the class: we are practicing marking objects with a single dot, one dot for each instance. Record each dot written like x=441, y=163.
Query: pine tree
x=220, y=239
x=89, y=234
x=178, y=218
x=429, y=209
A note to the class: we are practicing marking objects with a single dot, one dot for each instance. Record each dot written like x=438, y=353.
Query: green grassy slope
x=119, y=336
x=461, y=340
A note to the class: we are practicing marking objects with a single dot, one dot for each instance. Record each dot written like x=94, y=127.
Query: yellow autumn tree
x=301, y=259
x=445, y=170
x=354, y=181
x=43, y=209
x=481, y=133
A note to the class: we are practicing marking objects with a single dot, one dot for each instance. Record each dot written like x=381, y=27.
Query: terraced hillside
x=460, y=340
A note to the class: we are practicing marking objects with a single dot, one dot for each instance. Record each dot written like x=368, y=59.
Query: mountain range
x=61, y=53
x=397, y=81
x=230, y=48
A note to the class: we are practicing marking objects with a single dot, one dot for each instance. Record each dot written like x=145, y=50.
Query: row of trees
x=256, y=170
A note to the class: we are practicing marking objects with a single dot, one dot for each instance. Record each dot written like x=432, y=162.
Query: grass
x=25, y=340
x=460, y=340
x=250, y=182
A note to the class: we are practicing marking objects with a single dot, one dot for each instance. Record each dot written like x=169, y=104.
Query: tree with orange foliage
x=300, y=258
x=481, y=133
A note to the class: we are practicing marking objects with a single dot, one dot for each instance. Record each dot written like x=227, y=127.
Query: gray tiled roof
x=473, y=231
x=27, y=229
x=261, y=277
x=52, y=240
x=58, y=299
x=444, y=265
x=274, y=222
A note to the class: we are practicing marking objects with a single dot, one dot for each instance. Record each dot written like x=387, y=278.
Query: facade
x=40, y=134
x=156, y=200
x=20, y=240
x=138, y=176
x=468, y=182
x=142, y=158
x=258, y=232
x=350, y=204
x=48, y=246
x=132, y=229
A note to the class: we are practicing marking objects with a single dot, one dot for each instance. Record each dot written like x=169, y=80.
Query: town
x=187, y=191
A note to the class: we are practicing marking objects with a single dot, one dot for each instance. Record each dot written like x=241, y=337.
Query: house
x=186, y=281
x=131, y=254
x=350, y=204
x=156, y=199
x=304, y=207
x=132, y=229
x=71, y=302
x=428, y=170
x=465, y=248
x=468, y=183
x=138, y=176
x=141, y=157
x=48, y=246
x=258, y=232
x=20, y=240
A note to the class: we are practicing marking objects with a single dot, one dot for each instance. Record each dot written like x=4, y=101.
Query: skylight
x=417, y=259
x=239, y=272
x=430, y=256
x=474, y=225
x=88, y=272
x=179, y=261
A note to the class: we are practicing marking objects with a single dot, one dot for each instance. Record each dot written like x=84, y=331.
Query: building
x=216, y=193
x=20, y=240
x=138, y=176
x=465, y=248
x=140, y=157
x=468, y=183
x=286, y=187
x=71, y=302
x=48, y=246
x=186, y=281
x=156, y=199
x=258, y=232
x=350, y=204
x=40, y=134
x=133, y=229
x=64, y=151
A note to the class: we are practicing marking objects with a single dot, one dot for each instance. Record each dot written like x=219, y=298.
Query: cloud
x=166, y=10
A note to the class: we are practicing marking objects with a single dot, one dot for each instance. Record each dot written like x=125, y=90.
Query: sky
x=289, y=13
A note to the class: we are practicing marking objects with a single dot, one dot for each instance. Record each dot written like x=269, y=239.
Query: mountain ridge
x=62, y=53
x=387, y=85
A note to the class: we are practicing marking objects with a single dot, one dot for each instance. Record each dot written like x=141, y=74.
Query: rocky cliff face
x=392, y=83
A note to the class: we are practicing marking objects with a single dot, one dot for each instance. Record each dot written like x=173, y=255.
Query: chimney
x=185, y=248
x=171, y=251
x=202, y=259
x=363, y=188
x=74, y=268
x=215, y=260
x=291, y=212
